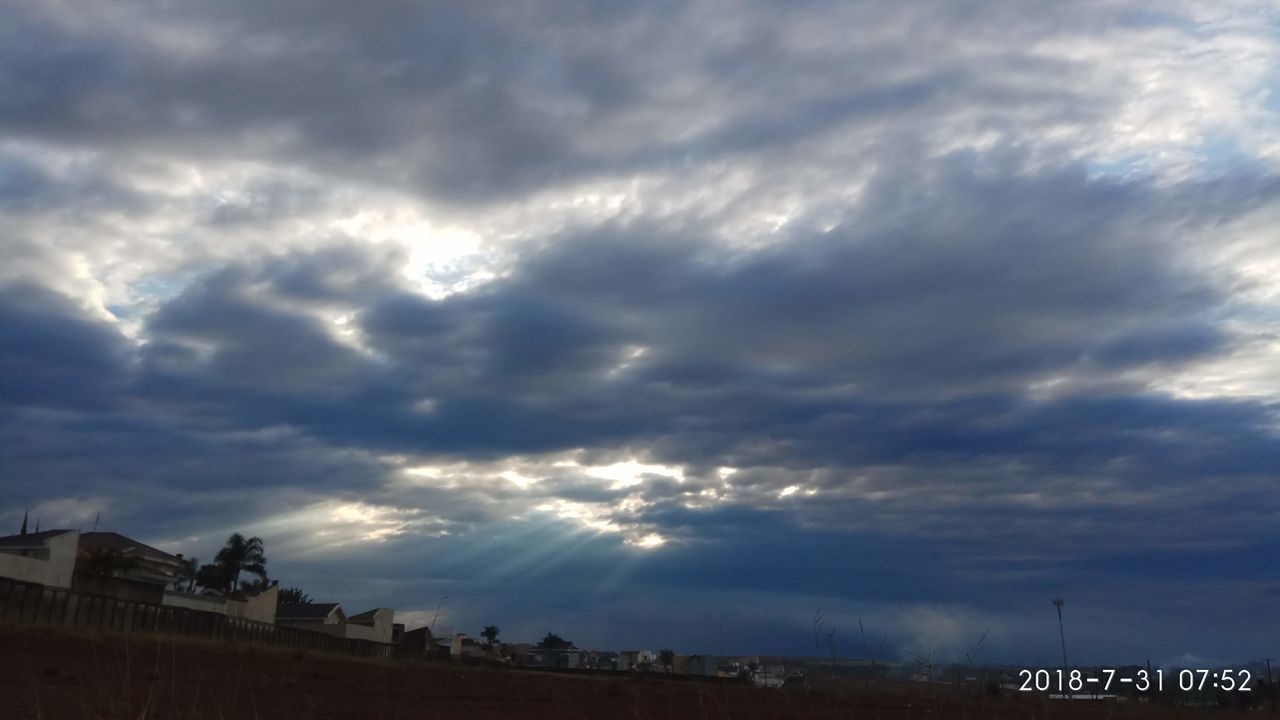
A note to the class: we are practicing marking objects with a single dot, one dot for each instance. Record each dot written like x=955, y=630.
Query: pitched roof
x=30, y=540
x=116, y=541
x=304, y=611
x=366, y=616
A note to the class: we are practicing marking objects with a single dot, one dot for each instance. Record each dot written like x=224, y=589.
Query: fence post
x=22, y=605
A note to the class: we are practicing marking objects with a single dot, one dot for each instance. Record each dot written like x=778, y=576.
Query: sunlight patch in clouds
x=631, y=472
x=581, y=513
x=652, y=540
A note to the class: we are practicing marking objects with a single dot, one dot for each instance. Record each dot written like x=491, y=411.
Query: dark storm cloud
x=478, y=103
x=881, y=343
x=56, y=355
x=906, y=339
x=939, y=374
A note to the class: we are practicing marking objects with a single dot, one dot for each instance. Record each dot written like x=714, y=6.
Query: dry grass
x=54, y=674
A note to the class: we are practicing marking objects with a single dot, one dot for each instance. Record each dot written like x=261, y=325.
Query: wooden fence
x=25, y=602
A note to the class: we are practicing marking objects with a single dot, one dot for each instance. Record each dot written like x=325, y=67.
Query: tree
x=108, y=561
x=292, y=596
x=490, y=634
x=554, y=642
x=241, y=554
x=213, y=577
x=254, y=587
x=190, y=567
x=667, y=657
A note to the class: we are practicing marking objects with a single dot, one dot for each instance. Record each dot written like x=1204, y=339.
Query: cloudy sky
x=665, y=324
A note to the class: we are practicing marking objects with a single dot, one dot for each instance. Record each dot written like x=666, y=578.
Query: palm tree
x=490, y=634
x=242, y=554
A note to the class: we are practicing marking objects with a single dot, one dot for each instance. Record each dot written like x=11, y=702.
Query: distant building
x=463, y=646
x=419, y=642
x=704, y=665
x=562, y=658
x=641, y=660
x=372, y=625
x=47, y=558
x=730, y=669
x=600, y=660
x=770, y=676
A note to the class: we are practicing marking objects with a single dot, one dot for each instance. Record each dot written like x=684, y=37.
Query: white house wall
x=55, y=571
x=195, y=602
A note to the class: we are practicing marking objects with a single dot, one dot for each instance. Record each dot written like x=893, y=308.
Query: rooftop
x=366, y=616
x=305, y=611
x=116, y=541
x=29, y=541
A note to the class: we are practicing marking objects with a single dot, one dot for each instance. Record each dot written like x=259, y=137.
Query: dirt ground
x=54, y=674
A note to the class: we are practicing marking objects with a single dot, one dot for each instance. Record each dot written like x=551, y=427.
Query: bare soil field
x=55, y=674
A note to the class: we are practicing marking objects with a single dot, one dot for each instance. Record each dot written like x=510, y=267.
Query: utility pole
x=1271, y=688
x=433, y=617
x=1058, y=602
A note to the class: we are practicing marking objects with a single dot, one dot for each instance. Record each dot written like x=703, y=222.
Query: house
x=260, y=607
x=769, y=676
x=418, y=642
x=600, y=660
x=704, y=665
x=47, y=558
x=463, y=646
x=311, y=616
x=372, y=625
x=151, y=566
x=537, y=657
x=642, y=660
x=376, y=625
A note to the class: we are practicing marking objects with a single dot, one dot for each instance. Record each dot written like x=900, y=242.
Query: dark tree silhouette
x=490, y=634
x=241, y=554
x=292, y=596
x=108, y=561
x=666, y=657
x=213, y=577
x=190, y=567
x=554, y=642
x=254, y=587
